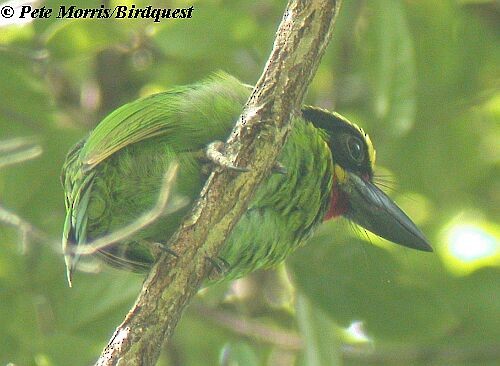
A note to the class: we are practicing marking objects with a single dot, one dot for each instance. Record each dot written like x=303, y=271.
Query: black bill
x=372, y=209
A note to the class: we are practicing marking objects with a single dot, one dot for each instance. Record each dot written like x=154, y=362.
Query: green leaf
x=391, y=65
x=321, y=344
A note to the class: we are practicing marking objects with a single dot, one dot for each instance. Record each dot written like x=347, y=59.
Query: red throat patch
x=339, y=203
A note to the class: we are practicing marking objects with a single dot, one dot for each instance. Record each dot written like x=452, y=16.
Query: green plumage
x=114, y=175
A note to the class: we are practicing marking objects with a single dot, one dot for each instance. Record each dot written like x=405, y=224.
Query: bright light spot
x=470, y=243
x=356, y=332
x=240, y=290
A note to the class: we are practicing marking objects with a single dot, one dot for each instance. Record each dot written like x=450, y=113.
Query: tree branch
x=15, y=151
x=255, y=142
x=18, y=150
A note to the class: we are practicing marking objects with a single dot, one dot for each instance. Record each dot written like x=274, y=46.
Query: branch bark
x=255, y=142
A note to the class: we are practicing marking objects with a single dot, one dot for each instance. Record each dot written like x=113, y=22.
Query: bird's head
x=354, y=195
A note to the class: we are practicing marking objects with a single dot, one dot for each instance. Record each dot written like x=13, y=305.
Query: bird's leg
x=220, y=265
x=279, y=168
x=162, y=247
x=215, y=154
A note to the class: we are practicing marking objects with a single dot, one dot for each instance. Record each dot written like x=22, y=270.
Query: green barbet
x=115, y=174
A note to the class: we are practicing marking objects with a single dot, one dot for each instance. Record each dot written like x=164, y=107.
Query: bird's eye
x=356, y=149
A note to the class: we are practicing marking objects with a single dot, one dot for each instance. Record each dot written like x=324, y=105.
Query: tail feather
x=68, y=247
x=75, y=224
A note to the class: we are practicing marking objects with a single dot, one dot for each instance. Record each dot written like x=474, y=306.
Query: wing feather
x=131, y=123
x=193, y=116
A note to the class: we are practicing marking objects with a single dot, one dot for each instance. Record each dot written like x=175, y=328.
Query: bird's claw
x=214, y=153
x=220, y=265
x=164, y=248
x=279, y=168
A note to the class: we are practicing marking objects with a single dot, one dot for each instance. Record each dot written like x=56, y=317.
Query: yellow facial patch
x=340, y=175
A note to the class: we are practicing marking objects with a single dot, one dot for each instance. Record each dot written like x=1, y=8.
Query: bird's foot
x=215, y=153
x=161, y=247
x=279, y=168
x=220, y=266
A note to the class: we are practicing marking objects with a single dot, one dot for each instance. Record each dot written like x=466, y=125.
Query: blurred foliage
x=422, y=77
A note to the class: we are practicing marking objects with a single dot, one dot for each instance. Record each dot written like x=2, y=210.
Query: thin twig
x=18, y=150
x=25, y=229
x=283, y=338
x=163, y=206
x=160, y=208
x=15, y=151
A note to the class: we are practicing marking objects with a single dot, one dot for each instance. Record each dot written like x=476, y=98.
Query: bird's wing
x=131, y=123
x=191, y=116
